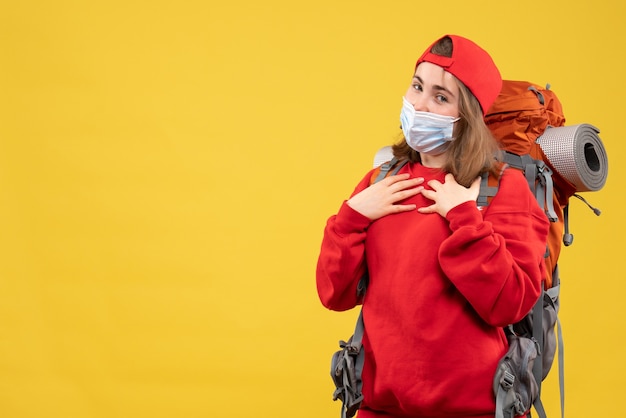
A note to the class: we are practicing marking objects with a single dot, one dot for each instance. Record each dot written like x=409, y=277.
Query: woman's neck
x=433, y=161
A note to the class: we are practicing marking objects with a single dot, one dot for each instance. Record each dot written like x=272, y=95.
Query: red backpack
x=519, y=116
x=521, y=120
x=521, y=113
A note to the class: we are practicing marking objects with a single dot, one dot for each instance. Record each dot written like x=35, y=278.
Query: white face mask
x=426, y=132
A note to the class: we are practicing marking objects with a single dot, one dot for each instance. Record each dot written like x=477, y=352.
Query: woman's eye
x=442, y=98
x=417, y=87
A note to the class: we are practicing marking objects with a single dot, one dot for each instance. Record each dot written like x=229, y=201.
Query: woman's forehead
x=435, y=75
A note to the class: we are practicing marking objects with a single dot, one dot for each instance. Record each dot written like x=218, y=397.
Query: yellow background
x=166, y=170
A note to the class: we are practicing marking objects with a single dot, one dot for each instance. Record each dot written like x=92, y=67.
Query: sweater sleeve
x=496, y=262
x=341, y=262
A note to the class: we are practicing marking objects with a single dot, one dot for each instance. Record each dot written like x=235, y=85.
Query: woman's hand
x=380, y=198
x=449, y=195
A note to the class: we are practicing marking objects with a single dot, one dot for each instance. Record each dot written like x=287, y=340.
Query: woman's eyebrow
x=435, y=86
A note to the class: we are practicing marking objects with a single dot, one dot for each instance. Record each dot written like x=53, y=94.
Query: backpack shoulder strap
x=350, y=364
x=390, y=168
x=539, y=179
x=346, y=369
x=489, y=186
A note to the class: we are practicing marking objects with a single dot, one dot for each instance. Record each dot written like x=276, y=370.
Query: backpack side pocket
x=514, y=384
x=345, y=369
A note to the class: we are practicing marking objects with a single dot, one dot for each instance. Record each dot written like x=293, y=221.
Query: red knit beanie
x=472, y=65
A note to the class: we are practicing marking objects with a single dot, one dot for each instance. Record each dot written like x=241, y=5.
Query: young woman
x=444, y=275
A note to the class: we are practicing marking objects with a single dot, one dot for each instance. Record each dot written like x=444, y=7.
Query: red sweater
x=440, y=290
